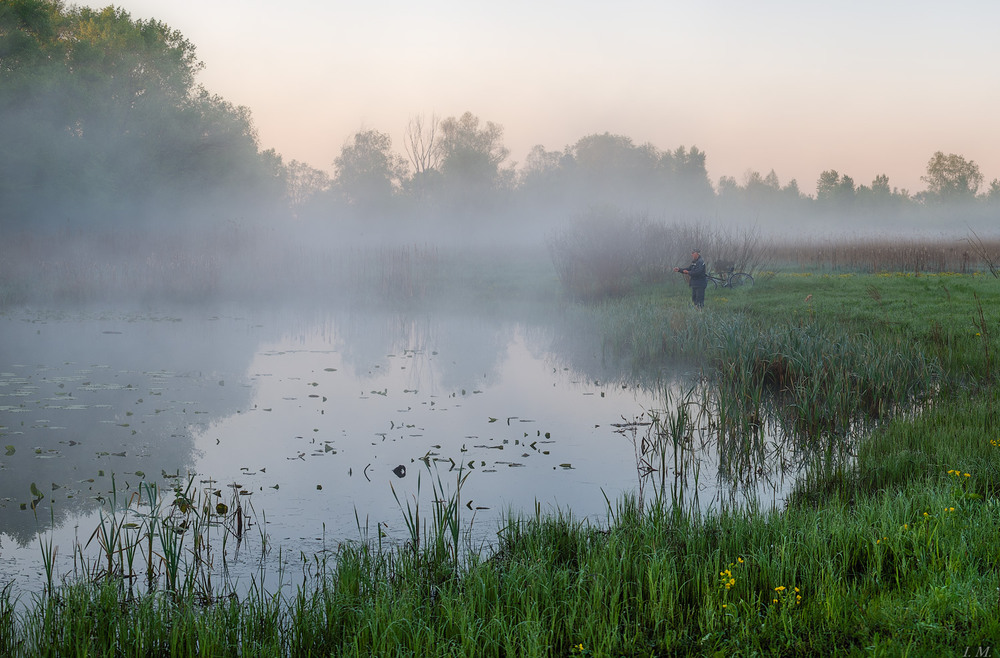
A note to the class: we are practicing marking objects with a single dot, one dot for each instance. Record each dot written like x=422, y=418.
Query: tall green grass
x=888, y=550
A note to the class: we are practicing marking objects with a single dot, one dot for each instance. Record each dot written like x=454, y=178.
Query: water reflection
x=327, y=420
x=84, y=395
x=341, y=404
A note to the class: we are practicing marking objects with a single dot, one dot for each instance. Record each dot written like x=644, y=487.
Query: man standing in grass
x=698, y=277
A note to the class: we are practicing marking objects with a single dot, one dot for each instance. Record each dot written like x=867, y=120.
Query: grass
x=888, y=550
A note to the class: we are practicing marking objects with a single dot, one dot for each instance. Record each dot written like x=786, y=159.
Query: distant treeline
x=103, y=124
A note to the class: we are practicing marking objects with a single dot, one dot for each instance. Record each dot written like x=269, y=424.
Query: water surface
x=326, y=420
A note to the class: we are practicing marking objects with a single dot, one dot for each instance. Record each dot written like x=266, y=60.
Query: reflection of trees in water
x=577, y=344
x=85, y=397
x=472, y=344
x=464, y=349
x=119, y=393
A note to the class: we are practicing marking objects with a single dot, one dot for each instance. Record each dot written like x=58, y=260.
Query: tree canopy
x=103, y=122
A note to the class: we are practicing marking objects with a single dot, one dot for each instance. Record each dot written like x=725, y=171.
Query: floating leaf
x=10, y=450
x=35, y=492
x=222, y=508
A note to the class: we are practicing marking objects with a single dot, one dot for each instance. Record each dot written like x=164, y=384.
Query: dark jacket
x=698, y=273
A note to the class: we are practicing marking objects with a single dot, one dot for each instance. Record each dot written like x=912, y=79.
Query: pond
x=324, y=425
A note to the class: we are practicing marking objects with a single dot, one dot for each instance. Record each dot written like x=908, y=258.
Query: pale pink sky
x=864, y=87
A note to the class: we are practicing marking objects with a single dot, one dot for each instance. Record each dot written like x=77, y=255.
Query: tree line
x=103, y=123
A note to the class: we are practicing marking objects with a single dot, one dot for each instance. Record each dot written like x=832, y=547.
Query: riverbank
x=888, y=550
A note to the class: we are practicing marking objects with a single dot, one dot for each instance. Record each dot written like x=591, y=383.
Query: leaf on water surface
x=221, y=508
x=10, y=450
x=493, y=420
x=35, y=492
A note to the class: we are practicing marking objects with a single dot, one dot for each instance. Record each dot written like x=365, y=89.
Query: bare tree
x=422, y=144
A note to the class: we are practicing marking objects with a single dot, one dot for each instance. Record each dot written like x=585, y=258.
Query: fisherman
x=698, y=277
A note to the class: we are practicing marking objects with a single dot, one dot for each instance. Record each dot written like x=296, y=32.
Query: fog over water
x=178, y=300
x=320, y=417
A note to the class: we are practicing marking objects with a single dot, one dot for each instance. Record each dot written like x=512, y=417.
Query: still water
x=327, y=421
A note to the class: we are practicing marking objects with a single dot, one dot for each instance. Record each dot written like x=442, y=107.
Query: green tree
x=951, y=178
x=368, y=173
x=473, y=157
x=835, y=191
x=304, y=183
x=27, y=28
x=993, y=193
x=103, y=122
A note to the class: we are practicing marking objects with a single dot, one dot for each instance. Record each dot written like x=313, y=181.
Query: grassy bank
x=891, y=552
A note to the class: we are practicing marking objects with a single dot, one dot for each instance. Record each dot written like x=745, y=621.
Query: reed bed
x=874, y=254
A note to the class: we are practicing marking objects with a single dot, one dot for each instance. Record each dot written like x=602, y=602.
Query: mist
x=121, y=176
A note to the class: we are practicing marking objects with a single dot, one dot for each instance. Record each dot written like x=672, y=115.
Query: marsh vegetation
x=805, y=466
x=873, y=393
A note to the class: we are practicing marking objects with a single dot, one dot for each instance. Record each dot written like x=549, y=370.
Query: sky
x=862, y=87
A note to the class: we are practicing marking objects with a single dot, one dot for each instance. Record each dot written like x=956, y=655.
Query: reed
x=872, y=254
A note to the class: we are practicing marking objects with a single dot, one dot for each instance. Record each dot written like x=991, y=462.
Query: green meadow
x=887, y=546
